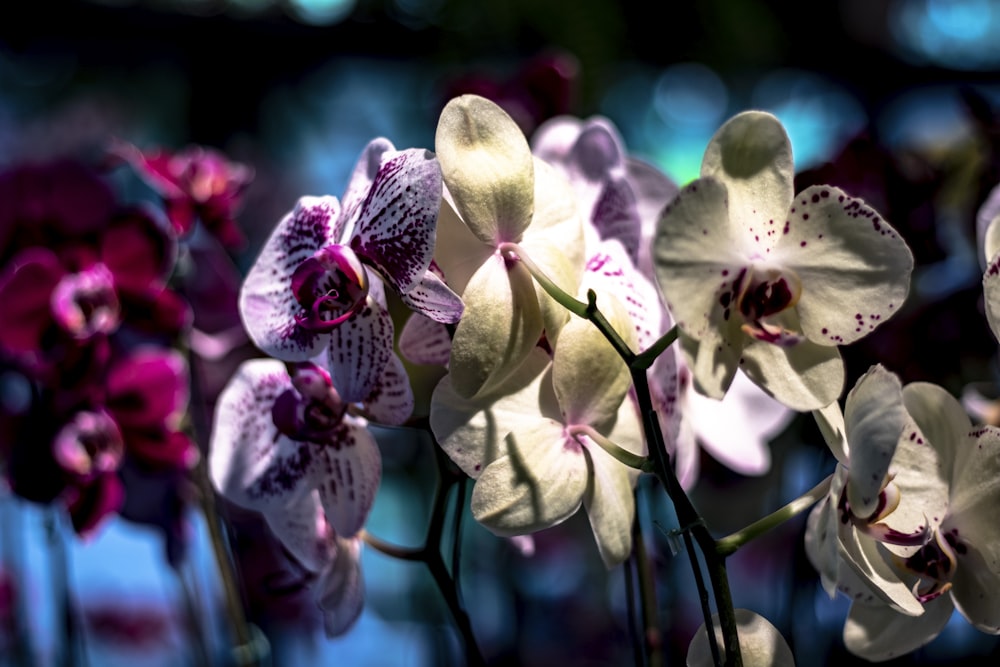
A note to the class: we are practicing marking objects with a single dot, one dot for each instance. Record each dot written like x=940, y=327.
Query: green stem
x=562, y=297
x=728, y=545
x=625, y=457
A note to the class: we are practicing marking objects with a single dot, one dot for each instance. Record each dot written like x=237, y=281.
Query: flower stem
x=728, y=545
x=625, y=457
x=562, y=297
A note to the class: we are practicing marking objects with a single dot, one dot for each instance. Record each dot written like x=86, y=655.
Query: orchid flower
x=533, y=446
x=317, y=283
x=944, y=487
x=286, y=446
x=196, y=183
x=500, y=195
x=768, y=281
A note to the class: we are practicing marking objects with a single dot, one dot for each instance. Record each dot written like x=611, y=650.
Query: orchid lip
x=85, y=304
x=89, y=444
x=331, y=286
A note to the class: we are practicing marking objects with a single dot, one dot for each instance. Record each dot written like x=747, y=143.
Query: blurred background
x=896, y=101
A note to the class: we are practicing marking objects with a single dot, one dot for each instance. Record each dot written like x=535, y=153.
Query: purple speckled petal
x=424, y=341
x=615, y=215
x=396, y=227
x=302, y=529
x=432, y=297
x=268, y=306
x=359, y=350
x=347, y=474
x=391, y=402
x=361, y=181
x=250, y=462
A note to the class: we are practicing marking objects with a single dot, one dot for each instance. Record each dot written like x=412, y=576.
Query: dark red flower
x=196, y=183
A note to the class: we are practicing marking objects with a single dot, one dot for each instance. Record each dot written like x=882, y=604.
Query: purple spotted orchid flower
x=318, y=282
x=772, y=282
x=285, y=445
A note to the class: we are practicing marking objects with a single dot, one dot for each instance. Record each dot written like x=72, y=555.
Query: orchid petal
x=148, y=389
x=877, y=633
x=713, y=361
x=804, y=377
x=251, y=463
x=991, y=292
x=870, y=563
x=347, y=473
x=975, y=493
x=974, y=588
x=988, y=226
x=554, y=242
x=539, y=483
x=359, y=350
x=342, y=588
x=424, y=341
x=830, y=421
x=695, y=265
x=751, y=156
x=303, y=531
x=653, y=191
x=609, y=499
x=458, y=253
x=488, y=167
x=875, y=418
x=472, y=431
x=434, y=299
x=736, y=430
x=391, y=401
x=991, y=239
x=588, y=375
x=761, y=645
x=501, y=325
x=821, y=545
x=855, y=269
x=358, y=187
x=268, y=306
x=396, y=230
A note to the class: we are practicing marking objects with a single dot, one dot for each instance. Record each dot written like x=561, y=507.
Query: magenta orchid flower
x=318, y=282
x=196, y=183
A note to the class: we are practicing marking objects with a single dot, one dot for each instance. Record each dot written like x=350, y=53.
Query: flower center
x=874, y=525
x=935, y=564
x=312, y=409
x=84, y=304
x=89, y=444
x=762, y=294
x=331, y=286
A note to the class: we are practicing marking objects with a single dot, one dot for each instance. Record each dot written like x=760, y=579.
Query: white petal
x=424, y=341
x=538, y=484
x=804, y=377
x=854, y=267
x=761, y=645
x=875, y=417
x=472, y=431
x=487, y=166
x=877, y=633
x=501, y=325
x=752, y=156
